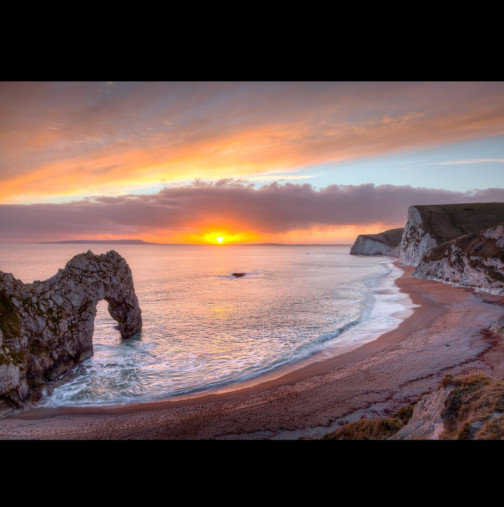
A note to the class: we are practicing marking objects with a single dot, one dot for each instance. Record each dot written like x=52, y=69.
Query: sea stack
x=46, y=328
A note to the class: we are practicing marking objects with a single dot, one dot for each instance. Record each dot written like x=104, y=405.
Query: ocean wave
x=202, y=332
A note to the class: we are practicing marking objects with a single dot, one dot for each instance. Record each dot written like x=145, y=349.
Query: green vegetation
x=9, y=318
x=404, y=413
x=36, y=348
x=366, y=429
x=493, y=429
x=10, y=357
x=474, y=408
x=18, y=357
x=373, y=429
x=85, y=307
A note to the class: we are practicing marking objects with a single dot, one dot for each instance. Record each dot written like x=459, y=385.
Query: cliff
x=384, y=243
x=47, y=327
x=472, y=260
x=430, y=226
x=469, y=407
x=466, y=407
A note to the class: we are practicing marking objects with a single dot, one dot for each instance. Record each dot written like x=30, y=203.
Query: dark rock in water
x=237, y=275
x=46, y=328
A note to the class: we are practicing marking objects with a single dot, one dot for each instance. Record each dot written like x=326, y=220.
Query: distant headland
x=98, y=242
x=142, y=242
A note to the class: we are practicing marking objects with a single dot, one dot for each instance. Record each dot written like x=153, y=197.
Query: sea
x=205, y=330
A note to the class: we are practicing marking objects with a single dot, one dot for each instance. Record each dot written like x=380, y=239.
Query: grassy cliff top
x=449, y=221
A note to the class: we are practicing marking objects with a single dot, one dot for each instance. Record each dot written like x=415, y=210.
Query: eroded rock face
x=473, y=260
x=384, y=243
x=466, y=407
x=432, y=225
x=47, y=327
x=497, y=327
x=426, y=422
x=416, y=239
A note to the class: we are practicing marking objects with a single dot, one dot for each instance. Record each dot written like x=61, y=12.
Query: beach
x=446, y=334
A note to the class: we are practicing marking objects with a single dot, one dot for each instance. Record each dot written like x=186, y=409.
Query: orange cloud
x=81, y=139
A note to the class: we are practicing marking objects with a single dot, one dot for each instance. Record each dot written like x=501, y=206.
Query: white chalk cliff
x=460, y=244
x=384, y=243
x=430, y=226
x=46, y=328
x=453, y=243
x=473, y=260
x=416, y=239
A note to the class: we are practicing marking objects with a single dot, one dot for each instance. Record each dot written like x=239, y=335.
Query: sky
x=287, y=162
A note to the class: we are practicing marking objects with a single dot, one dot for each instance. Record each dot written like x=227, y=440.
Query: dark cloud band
x=272, y=208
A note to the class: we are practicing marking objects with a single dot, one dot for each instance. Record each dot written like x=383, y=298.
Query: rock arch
x=47, y=327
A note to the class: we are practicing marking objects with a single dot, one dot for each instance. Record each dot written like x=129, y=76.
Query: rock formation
x=46, y=327
x=384, y=243
x=472, y=260
x=467, y=407
x=464, y=407
x=430, y=226
x=497, y=327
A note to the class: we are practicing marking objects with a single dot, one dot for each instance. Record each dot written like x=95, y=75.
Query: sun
x=220, y=236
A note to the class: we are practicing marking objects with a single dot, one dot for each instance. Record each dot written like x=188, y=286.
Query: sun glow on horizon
x=220, y=237
x=343, y=234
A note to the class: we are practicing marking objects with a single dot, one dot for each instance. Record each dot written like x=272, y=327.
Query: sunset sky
x=288, y=162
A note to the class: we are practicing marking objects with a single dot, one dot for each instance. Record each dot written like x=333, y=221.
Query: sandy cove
x=445, y=334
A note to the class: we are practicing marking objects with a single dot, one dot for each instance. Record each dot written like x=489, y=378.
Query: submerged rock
x=46, y=328
x=384, y=243
x=238, y=275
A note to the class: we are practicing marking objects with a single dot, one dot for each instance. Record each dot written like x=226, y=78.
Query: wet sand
x=445, y=334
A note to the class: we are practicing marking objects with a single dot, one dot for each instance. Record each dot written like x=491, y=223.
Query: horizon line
x=142, y=242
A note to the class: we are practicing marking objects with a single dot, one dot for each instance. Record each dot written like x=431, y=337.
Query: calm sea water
x=204, y=329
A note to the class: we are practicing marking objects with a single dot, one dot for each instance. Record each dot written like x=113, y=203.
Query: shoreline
x=442, y=335
x=369, y=329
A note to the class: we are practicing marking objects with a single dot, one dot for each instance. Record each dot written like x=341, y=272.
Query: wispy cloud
x=280, y=177
x=470, y=161
x=63, y=139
